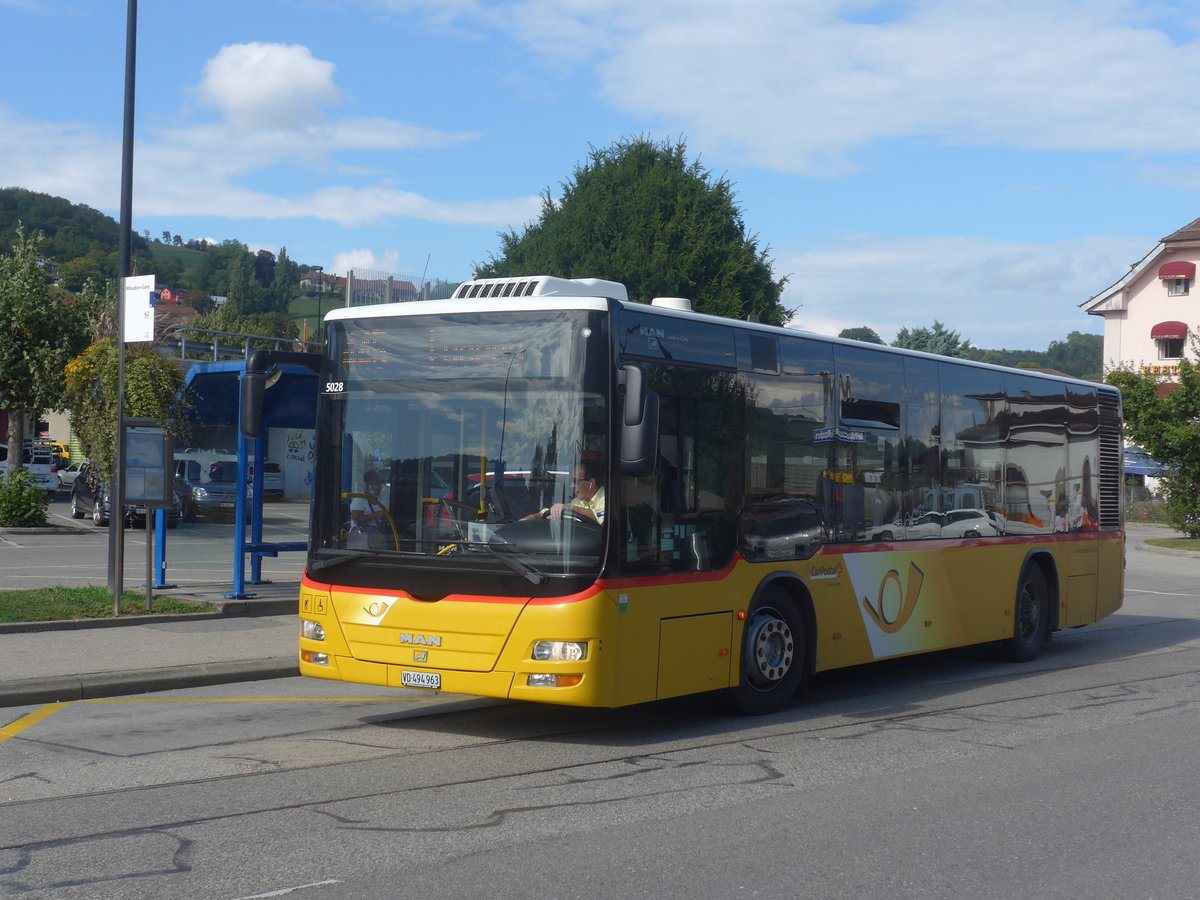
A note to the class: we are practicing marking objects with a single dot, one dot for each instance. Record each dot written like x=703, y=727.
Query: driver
x=588, y=502
x=367, y=511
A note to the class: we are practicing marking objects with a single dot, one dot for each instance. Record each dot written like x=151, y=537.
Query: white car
x=957, y=523
x=69, y=474
x=968, y=523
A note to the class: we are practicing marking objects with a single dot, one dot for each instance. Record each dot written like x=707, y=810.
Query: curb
x=52, y=529
x=1167, y=551
x=65, y=688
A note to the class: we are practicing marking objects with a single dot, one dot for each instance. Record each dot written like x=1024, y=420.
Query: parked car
x=68, y=475
x=969, y=523
x=272, y=481
x=956, y=523
x=90, y=497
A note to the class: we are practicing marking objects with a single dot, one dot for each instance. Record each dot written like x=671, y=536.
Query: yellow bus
x=539, y=490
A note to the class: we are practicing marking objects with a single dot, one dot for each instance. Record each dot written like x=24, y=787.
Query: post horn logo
x=376, y=608
x=904, y=603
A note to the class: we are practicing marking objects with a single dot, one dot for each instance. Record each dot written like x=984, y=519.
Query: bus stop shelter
x=214, y=391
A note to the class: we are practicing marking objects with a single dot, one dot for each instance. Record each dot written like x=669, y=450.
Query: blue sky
x=987, y=163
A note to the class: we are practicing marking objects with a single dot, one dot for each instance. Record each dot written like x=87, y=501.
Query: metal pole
x=116, y=514
x=151, y=515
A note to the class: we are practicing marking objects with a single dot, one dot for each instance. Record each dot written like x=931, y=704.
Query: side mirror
x=639, y=424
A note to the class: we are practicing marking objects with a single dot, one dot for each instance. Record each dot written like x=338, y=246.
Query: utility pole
x=116, y=512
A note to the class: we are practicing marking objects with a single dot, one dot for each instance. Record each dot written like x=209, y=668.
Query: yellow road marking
x=12, y=730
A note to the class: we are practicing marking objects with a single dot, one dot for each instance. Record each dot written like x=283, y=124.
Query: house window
x=1170, y=348
x=1178, y=287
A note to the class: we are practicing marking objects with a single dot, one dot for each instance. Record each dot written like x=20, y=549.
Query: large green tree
x=285, y=282
x=937, y=339
x=1165, y=422
x=640, y=213
x=43, y=329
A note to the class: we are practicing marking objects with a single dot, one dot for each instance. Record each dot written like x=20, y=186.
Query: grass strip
x=59, y=603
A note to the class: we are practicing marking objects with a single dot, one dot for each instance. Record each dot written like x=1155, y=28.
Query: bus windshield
x=458, y=444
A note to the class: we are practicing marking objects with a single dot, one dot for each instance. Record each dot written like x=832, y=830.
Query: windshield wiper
x=529, y=573
x=322, y=564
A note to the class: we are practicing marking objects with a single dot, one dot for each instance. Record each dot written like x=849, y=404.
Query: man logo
x=902, y=599
x=428, y=640
x=420, y=656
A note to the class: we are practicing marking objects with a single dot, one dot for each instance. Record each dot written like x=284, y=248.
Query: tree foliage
x=152, y=390
x=937, y=339
x=43, y=330
x=72, y=230
x=1166, y=424
x=861, y=333
x=1080, y=355
x=639, y=213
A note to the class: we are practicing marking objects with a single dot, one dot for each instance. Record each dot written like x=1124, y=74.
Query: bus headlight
x=560, y=651
x=317, y=659
x=314, y=631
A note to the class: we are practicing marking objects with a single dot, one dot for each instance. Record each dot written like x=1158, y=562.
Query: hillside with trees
x=592, y=229
x=71, y=230
x=1080, y=355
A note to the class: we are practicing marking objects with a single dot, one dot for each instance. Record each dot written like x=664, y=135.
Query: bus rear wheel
x=1031, y=617
x=773, y=652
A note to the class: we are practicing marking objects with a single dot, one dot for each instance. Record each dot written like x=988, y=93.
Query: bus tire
x=1031, y=617
x=773, y=655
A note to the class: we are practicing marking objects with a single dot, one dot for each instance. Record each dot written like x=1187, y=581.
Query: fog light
x=547, y=679
x=560, y=651
x=317, y=659
x=314, y=631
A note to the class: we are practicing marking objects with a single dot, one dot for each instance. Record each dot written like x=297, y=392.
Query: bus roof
x=539, y=292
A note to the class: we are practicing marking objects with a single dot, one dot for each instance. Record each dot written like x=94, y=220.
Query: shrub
x=22, y=503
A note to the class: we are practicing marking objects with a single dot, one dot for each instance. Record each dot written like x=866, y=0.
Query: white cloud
x=270, y=97
x=260, y=86
x=997, y=294
x=362, y=259
x=799, y=87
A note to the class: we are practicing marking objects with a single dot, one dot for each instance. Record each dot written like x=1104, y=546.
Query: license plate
x=431, y=680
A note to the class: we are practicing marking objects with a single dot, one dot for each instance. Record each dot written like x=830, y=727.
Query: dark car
x=90, y=497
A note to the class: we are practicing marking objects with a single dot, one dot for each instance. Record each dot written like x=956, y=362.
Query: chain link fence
x=367, y=287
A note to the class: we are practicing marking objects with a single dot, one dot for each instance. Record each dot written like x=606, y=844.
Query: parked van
x=38, y=460
x=213, y=495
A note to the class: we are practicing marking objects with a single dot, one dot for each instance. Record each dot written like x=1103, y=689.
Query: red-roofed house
x=1148, y=313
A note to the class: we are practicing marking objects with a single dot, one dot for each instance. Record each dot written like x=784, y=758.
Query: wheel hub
x=771, y=649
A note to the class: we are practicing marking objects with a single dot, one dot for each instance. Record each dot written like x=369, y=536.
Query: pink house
x=1149, y=311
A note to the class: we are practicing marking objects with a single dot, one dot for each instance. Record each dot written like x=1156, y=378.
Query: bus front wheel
x=1031, y=617
x=773, y=653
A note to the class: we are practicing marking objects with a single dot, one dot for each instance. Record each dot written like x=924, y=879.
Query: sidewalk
x=241, y=640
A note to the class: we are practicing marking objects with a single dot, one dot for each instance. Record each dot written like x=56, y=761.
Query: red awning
x=1168, y=330
x=1178, y=269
